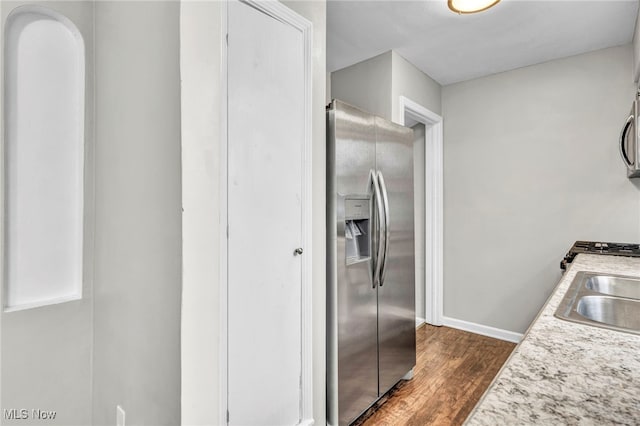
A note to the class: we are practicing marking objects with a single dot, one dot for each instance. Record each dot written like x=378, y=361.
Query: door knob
x=297, y=251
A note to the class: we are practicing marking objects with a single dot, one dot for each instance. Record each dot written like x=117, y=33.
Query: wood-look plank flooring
x=453, y=369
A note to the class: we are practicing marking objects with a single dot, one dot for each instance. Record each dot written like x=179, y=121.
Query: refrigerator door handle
x=387, y=231
x=623, y=138
x=380, y=248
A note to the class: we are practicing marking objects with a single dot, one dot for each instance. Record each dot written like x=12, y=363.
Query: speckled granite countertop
x=568, y=373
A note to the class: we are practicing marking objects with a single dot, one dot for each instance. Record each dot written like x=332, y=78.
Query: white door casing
x=266, y=308
x=434, y=205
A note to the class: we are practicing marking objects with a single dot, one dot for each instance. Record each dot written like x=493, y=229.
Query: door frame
x=434, y=177
x=282, y=13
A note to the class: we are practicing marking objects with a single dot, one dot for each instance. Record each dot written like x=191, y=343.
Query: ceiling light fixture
x=471, y=6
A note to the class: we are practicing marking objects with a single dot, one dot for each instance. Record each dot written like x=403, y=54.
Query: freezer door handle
x=380, y=249
x=387, y=231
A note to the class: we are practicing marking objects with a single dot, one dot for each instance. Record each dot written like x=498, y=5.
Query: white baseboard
x=419, y=321
x=485, y=330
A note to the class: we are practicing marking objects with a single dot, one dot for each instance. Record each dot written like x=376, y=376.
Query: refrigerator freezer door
x=396, y=295
x=352, y=361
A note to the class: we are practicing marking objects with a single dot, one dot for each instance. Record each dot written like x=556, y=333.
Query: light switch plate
x=120, y=416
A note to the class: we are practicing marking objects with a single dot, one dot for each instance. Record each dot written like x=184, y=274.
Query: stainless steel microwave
x=630, y=143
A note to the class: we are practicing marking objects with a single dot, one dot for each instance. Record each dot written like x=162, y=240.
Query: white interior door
x=265, y=164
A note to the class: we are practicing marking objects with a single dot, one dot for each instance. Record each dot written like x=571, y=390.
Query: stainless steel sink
x=615, y=311
x=614, y=286
x=608, y=301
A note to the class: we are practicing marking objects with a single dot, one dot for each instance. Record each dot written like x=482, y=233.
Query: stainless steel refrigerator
x=371, y=341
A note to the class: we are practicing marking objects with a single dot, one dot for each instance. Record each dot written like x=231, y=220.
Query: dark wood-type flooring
x=453, y=369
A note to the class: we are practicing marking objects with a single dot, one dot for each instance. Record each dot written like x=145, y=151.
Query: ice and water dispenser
x=357, y=228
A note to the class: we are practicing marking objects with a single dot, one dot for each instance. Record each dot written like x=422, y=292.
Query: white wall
x=531, y=165
x=120, y=343
x=200, y=65
x=201, y=99
x=376, y=84
x=138, y=222
x=366, y=85
x=46, y=352
x=409, y=81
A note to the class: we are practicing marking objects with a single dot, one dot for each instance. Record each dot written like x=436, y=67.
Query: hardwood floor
x=453, y=369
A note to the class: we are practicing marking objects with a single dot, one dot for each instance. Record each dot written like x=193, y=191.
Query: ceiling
x=452, y=48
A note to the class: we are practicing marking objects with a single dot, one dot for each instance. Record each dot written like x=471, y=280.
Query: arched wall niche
x=44, y=114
